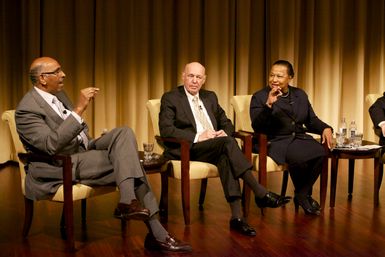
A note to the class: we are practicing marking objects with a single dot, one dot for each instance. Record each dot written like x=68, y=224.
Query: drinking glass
x=340, y=139
x=148, y=148
x=357, y=140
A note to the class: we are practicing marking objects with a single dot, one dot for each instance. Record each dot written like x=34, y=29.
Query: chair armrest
x=184, y=156
x=247, y=140
x=65, y=162
x=262, y=157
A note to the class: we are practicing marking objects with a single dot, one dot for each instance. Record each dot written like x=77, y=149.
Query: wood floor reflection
x=352, y=228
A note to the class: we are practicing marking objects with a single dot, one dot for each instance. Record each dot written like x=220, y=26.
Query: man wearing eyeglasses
x=47, y=122
x=192, y=113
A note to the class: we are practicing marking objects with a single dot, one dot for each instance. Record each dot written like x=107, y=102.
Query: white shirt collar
x=46, y=96
x=190, y=96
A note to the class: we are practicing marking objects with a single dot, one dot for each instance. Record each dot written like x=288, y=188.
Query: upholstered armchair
x=67, y=193
x=262, y=163
x=186, y=170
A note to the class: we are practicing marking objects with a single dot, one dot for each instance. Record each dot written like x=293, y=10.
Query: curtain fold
x=136, y=50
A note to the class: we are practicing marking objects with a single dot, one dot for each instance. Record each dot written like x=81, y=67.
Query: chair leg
x=62, y=224
x=67, y=226
x=333, y=180
x=28, y=215
x=324, y=182
x=285, y=179
x=163, y=204
x=202, y=194
x=84, y=212
x=185, y=189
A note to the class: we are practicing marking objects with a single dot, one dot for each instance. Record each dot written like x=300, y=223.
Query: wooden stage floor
x=352, y=228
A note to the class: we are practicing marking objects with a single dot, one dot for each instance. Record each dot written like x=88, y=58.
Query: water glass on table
x=147, y=149
x=340, y=139
x=357, y=141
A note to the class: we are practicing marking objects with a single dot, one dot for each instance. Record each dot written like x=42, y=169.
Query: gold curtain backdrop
x=136, y=50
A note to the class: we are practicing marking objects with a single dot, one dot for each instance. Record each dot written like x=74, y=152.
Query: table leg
x=333, y=180
x=351, y=178
x=378, y=173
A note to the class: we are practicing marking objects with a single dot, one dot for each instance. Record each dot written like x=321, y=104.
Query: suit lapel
x=46, y=107
x=62, y=96
x=186, y=106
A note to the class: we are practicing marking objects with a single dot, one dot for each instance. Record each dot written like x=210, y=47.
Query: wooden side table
x=352, y=155
x=152, y=167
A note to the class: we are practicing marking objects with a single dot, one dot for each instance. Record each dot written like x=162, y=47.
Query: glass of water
x=148, y=148
x=340, y=139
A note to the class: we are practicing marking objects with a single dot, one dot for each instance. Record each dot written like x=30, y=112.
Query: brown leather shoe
x=133, y=211
x=171, y=244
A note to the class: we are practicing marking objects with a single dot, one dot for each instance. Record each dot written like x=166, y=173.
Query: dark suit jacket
x=377, y=114
x=177, y=120
x=42, y=130
x=281, y=126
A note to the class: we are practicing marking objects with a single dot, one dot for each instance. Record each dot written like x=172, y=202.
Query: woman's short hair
x=288, y=65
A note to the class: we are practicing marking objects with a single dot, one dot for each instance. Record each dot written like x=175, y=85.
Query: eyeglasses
x=55, y=72
x=192, y=76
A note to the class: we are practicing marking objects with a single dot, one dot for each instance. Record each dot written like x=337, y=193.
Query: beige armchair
x=186, y=170
x=67, y=193
x=261, y=161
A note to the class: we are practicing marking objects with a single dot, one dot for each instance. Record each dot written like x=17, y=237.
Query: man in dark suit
x=48, y=123
x=377, y=114
x=194, y=114
x=284, y=113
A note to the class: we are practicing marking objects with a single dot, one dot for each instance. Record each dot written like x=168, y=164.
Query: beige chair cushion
x=371, y=98
x=198, y=170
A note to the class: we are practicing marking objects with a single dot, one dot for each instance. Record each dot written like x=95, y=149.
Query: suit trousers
x=113, y=159
x=225, y=153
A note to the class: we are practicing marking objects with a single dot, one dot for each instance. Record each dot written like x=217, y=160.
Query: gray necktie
x=200, y=115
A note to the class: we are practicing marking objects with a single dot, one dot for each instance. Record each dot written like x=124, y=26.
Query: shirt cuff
x=382, y=123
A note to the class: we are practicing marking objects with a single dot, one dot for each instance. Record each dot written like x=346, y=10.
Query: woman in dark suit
x=285, y=114
x=377, y=114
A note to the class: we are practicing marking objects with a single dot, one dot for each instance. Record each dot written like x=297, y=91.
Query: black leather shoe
x=133, y=211
x=313, y=203
x=242, y=227
x=306, y=206
x=170, y=245
x=272, y=200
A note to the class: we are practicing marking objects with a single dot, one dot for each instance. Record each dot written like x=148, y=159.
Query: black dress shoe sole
x=132, y=216
x=245, y=233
